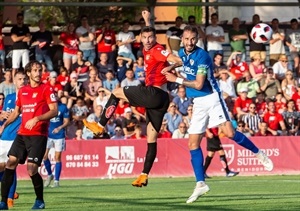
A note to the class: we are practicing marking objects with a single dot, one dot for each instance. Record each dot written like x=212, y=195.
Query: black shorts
x=214, y=144
x=155, y=100
x=33, y=147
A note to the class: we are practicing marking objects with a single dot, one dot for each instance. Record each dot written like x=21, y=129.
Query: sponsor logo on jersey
x=34, y=95
x=165, y=53
x=147, y=56
x=109, y=111
x=192, y=62
x=52, y=97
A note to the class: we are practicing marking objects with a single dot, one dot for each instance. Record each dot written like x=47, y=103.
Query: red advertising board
x=125, y=158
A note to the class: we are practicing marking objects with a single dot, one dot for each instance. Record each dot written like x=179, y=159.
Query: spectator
x=289, y=85
x=269, y=84
x=296, y=98
x=63, y=78
x=86, y=36
x=173, y=117
x=260, y=104
x=78, y=134
x=42, y=40
x=252, y=120
x=124, y=40
x=120, y=110
x=103, y=66
x=250, y=84
x=45, y=73
x=91, y=86
x=182, y=102
x=79, y=112
x=164, y=132
x=110, y=126
x=20, y=36
x=281, y=67
x=293, y=42
x=69, y=40
x=256, y=67
x=274, y=120
x=7, y=86
x=292, y=119
x=102, y=98
x=110, y=83
x=226, y=83
x=280, y=103
x=236, y=65
x=118, y=134
x=242, y=103
x=218, y=65
x=181, y=131
x=57, y=87
x=93, y=117
x=139, y=70
x=237, y=38
x=241, y=128
x=128, y=123
x=264, y=130
x=138, y=132
x=130, y=80
x=139, y=113
x=202, y=36
x=214, y=36
x=106, y=39
x=173, y=36
x=81, y=67
x=276, y=43
x=188, y=117
x=255, y=48
x=73, y=89
x=123, y=64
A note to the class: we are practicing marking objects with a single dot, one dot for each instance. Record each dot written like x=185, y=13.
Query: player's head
x=148, y=37
x=19, y=79
x=34, y=71
x=189, y=38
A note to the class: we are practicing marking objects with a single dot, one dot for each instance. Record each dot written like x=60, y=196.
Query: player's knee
x=12, y=163
x=230, y=134
x=32, y=169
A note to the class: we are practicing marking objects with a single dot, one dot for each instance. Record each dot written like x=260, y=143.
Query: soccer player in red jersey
x=153, y=96
x=38, y=105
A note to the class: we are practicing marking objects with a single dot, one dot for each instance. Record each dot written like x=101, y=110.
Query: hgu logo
x=229, y=152
x=120, y=159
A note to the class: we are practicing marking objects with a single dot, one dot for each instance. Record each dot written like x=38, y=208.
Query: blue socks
x=57, y=170
x=47, y=164
x=242, y=140
x=1, y=175
x=13, y=187
x=197, y=163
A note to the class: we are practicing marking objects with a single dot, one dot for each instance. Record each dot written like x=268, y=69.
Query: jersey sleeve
x=66, y=113
x=49, y=95
x=160, y=54
x=202, y=67
x=18, y=101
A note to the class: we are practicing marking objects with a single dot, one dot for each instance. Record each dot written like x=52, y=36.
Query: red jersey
x=243, y=104
x=120, y=110
x=239, y=69
x=296, y=99
x=273, y=120
x=165, y=134
x=45, y=77
x=268, y=133
x=279, y=107
x=134, y=136
x=1, y=40
x=155, y=60
x=261, y=108
x=63, y=79
x=33, y=101
x=57, y=87
x=71, y=42
x=107, y=41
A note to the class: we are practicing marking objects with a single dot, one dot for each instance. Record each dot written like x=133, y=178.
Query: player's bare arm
x=195, y=84
x=146, y=15
x=64, y=125
x=14, y=115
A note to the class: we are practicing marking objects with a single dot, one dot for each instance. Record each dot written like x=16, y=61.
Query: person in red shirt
x=153, y=96
x=57, y=87
x=63, y=78
x=69, y=41
x=138, y=132
x=274, y=119
x=242, y=103
x=280, y=104
x=296, y=98
x=264, y=130
x=236, y=65
x=164, y=133
x=260, y=103
x=37, y=103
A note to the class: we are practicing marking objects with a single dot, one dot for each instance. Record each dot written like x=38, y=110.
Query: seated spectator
x=118, y=134
x=57, y=87
x=78, y=134
x=164, y=132
x=226, y=82
x=120, y=110
x=236, y=65
x=81, y=67
x=241, y=128
x=110, y=126
x=280, y=103
x=173, y=117
x=182, y=101
x=103, y=66
x=292, y=119
x=270, y=85
x=45, y=73
x=218, y=65
x=187, y=119
x=139, y=70
x=260, y=103
x=110, y=82
x=289, y=85
x=102, y=97
x=91, y=86
x=241, y=104
x=281, y=67
x=138, y=132
x=63, y=78
x=130, y=80
x=250, y=84
x=274, y=120
x=93, y=117
x=79, y=112
x=128, y=123
x=296, y=98
x=139, y=113
x=252, y=120
x=73, y=89
x=264, y=130
x=123, y=64
x=181, y=131
x=256, y=67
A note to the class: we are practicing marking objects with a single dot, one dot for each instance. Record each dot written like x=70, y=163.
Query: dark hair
x=126, y=21
x=214, y=14
x=178, y=18
x=105, y=20
x=20, y=14
x=148, y=29
x=294, y=20
x=191, y=17
x=83, y=16
x=218, y=54
x=190, y=28
x=19, y=73
x=30, y=64
x=275, y=19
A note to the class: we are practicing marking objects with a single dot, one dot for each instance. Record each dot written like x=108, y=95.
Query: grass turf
x=238, y=193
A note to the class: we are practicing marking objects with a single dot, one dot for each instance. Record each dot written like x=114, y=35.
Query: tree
x=185, y=12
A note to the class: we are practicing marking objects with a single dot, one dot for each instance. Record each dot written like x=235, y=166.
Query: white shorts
x=17, y=56
x=208, y=112
x=4, y=148
x=58, y=144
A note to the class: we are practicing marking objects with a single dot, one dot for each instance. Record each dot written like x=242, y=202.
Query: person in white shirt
x=281, y=67
x=130, y=80
x=276, y=43
x=181, y=132
x=215, y=36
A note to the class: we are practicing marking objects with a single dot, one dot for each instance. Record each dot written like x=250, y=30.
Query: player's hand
x=1, y=129
x=170, y=77
x=146, y=14
x=31, y=123
x=56, y=130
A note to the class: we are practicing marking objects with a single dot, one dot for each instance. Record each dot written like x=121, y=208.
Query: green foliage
x=185, y=12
